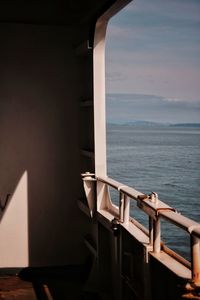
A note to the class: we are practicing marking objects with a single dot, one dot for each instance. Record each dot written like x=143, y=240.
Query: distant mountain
x=126, y=108
x=146, y=123
x=142, y=123
x=186, y=125
x=139, y=123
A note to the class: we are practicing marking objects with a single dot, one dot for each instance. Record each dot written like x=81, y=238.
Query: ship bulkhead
x=58, y=226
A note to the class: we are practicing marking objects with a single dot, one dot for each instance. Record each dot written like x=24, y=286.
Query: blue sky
x=153, y=48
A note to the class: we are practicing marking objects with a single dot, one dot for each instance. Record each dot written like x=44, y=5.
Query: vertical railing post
x=126, y=209
x=156, y=235
x=121, y=207
x=195, y=258
x=150, y=230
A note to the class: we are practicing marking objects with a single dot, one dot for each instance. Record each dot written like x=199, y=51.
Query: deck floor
x=12, y=287
x=52, y=286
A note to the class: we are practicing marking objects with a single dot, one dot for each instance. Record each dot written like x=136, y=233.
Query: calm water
x=161, y=159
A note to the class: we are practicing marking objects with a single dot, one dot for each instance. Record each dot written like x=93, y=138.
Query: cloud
x=154, y=48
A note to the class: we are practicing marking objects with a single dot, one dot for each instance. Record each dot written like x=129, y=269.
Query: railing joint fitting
x=192, y=228
x=161, y=209
x=142, y=197
x=153, y=197
x=88, y=176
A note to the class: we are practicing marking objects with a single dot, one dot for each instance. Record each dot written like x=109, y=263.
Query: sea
x=160, y=158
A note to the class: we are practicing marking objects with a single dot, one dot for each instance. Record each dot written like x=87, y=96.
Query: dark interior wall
x=39, y=91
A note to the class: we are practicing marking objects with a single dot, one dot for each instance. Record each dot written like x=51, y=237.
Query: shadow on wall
x=39, y=137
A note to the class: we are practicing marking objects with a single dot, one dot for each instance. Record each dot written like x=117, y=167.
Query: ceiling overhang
x=52, y=12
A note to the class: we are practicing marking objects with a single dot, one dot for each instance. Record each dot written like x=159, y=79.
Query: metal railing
x=156, y=210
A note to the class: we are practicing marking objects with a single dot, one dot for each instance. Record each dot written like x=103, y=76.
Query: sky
x=153, y=48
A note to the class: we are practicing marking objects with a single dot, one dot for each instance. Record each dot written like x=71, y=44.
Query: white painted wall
x=40, y=88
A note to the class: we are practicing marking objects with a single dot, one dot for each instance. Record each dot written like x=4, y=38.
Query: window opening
x=153, y=102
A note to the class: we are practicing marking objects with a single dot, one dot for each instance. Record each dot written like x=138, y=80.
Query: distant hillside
x=186, y=125
x=137, y=123
x=142, y=123
x=145, y=123
x=125, y=108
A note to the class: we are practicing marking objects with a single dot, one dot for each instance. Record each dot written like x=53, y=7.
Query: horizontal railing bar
x=140, y=226
x=182, y=222
x=130, y=192
x=155, y=209
x=176, y=256
x=111, y=182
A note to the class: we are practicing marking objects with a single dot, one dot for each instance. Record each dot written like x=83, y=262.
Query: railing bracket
x=89, y=182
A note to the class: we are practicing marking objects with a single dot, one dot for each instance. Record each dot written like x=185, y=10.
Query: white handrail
x=157, y=209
